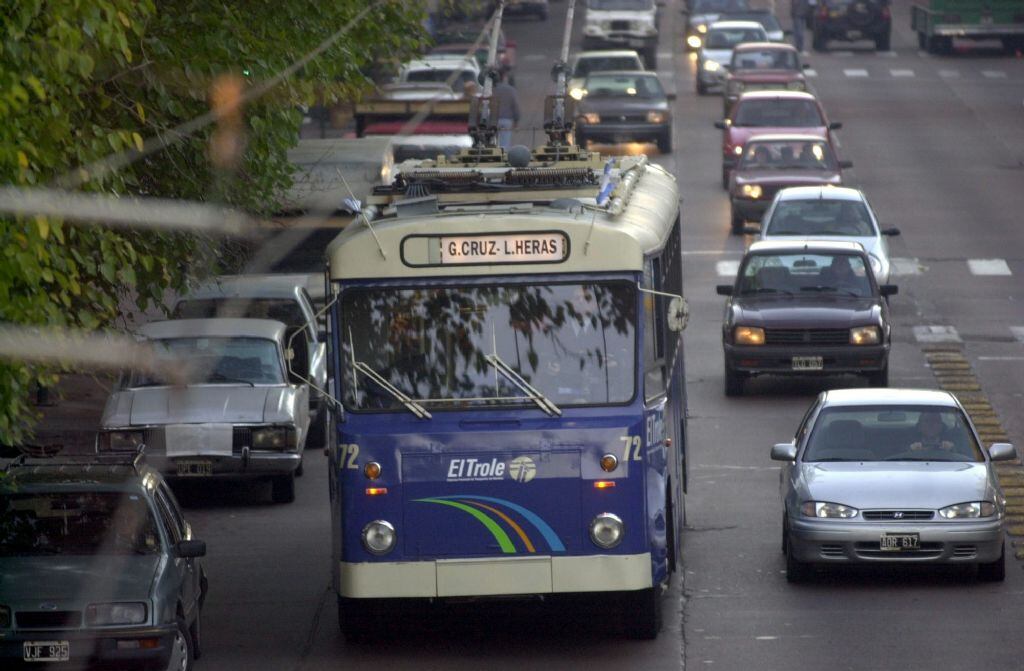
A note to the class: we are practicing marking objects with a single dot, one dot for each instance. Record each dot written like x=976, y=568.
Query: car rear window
x=820, y=217
x=778, y=113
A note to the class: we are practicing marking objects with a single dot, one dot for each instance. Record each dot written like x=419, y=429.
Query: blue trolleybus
x=507, y=342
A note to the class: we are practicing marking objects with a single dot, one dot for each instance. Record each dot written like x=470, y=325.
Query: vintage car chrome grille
x=241, y=437
x=898, y=515
x=154, y=440
x=56, y=619
x=807, y=336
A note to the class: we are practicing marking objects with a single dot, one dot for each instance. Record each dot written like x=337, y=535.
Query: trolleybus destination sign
x=539, y=247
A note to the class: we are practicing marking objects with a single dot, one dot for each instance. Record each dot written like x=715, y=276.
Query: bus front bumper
x=499, y=576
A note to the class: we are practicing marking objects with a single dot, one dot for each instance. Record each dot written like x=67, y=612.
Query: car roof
x=736, y=25
x=752, y=46
x=616, y=73
x=255, y=286
x=787, y=137
x=780, y=95
x=814, y=246
x=440, y=62
x=606, y=53
x=820, y=192
x=121, y=473
x=890, y=396
x=214, y=327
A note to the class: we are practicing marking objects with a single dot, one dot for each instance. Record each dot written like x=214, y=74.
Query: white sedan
x=716, y=51
x=829, y=213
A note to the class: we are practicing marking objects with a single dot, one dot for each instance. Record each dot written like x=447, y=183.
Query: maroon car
x=773, y=162
x=771, y=112
x=762, y=66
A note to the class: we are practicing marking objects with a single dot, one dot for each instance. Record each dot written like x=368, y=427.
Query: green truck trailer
x=937, y=22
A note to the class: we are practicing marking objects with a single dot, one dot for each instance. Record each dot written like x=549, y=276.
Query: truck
x=937, y=22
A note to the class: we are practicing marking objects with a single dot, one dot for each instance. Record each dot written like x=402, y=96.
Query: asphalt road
x=940, y=153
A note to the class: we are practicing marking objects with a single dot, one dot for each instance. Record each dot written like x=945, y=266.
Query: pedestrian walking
x=506, y=102
x=799, y=11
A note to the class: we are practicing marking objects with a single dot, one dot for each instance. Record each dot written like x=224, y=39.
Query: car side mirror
x=190, y=549
x=1002, y=452
x=724, y=290
x=784, y=452
x=670, y=96
x=890, y=231
x=835, y=125
x=845, y=164
x=805, y=66
x=720, y=125
x=888, y=289
x=678, y=314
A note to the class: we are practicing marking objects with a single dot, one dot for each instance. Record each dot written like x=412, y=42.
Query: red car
x=762, y=66
x=772, y=112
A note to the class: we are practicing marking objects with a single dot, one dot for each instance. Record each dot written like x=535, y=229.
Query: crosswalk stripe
x=855, y=72
x=810, y=72
x=988, y=267
x=949, y=74
x=904, y=266
x=727, y=268
x=936, y=334
x=901, y=73
x=993, y=74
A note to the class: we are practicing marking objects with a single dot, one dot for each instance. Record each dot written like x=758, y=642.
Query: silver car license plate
x=46, y=651
x=194, y=467
x=899, y=542
x=808, y=363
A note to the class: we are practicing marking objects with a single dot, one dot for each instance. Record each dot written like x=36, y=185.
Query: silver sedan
x=829, y=213
x=890, y=475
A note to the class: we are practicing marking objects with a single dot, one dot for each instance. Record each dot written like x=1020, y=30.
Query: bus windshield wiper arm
x=400, y=396
x=515, y=378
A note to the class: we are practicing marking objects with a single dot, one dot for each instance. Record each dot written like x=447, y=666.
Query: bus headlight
x=379, y=537
x=606, y=531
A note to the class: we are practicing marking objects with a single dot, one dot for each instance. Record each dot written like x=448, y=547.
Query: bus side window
x=654, y=360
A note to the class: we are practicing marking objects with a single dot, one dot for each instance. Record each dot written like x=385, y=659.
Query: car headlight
x=796, y=86
x=693, y=42
x=712, y=66
x=702, y=28
x=738, y=150
x=104, y=614
x=273, y=438
x=5, y=617
x=606, y=531
x=973, y=509
x=576, y=93
x=826, y=509
x=592, y=117
x=656, y=117
x=865, y=335
x=379, y=537
x=751, y=191
x=120, y=441
x=748, y=335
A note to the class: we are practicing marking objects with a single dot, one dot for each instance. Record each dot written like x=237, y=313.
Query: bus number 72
x=632, y=442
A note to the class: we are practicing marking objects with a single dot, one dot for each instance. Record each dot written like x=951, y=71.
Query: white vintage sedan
x=891, y=475
x=234, y=410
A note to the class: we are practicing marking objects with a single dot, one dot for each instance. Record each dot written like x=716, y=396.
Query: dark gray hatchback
x=807, y=308
x=624, y=106
x=97, y=567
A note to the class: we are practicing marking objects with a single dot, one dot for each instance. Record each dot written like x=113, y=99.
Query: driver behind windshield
x=932, y=433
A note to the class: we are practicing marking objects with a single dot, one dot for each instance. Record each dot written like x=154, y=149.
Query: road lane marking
x=1018, y=332
x=810, y=72
x=993, y=74
x=904, y=266
x=727, y=268
x=535, y=57
x=842, y=54
x=936, y=334
x=949, y=74
x=1000, y=358
x=887, y=54
x=901, y=73
x=855, y=72
x=988, y=267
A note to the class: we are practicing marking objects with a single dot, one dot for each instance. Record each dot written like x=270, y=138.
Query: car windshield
x=766, y=19
x=214, y=361
x=613, y=5
x=625, y=86
x=458, y=77
x=807, y=273
x=765, y=59
x=719, y=6
x=820, y=217
x=76, y=523
x=777, y=113
x=284, y=310
x=574, y=343
x=604, y=63
x=788, y=155
x=892, y=433
x=727, y=38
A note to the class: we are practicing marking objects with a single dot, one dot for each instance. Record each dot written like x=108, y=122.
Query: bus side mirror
x=678, y=314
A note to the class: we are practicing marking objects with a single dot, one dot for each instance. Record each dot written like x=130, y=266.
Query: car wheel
x=725, y=177
x=940, y=45
x=665, y=143
x=650, y=56
x=361, y=620
x=733, y=382
x=796, y=571
x=883, y=41
x=642, y=613
x=283, y=488
x=996, y=571
x=785, y=533
x=182, y=657
x=196, y=633
x=702, y=88
x=738, y=223
x=317, y=435
x=879, y=378
x=301, y=469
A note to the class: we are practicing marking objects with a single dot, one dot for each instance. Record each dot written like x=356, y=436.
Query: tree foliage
x=81, y=79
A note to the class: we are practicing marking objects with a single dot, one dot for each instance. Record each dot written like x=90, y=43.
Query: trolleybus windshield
x=573, y=344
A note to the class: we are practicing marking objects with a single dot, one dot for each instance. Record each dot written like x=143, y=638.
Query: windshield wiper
x=540, y=399
x=766, y=290
x=399, y=395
